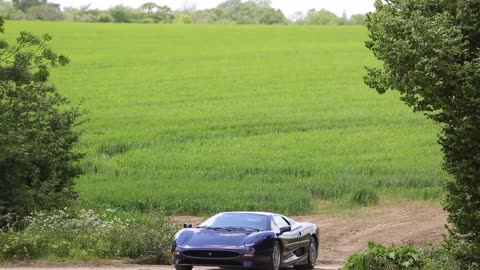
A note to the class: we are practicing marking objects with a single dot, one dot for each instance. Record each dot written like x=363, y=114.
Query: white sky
x=287, y=6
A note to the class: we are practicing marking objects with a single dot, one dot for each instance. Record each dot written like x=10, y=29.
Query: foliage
x=228, y=12
x=358, y=19
x=378, y=257
x=37, y=153
x=322, y=17
x=123, y=14
x=45, y=12
x=158, y=14
x=249, y=12
x=429, y=51
x=7, y=11
x=440, y=258
x=24, y=5
x=84, y=235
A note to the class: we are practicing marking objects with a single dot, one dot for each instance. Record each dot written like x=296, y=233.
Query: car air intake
x=211, y=254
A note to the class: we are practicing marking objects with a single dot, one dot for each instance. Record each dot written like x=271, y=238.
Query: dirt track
x=341, y=237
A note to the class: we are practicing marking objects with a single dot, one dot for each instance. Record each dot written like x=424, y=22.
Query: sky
x=287, y=6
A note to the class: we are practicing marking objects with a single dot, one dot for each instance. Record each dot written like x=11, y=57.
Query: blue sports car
x=247, y=240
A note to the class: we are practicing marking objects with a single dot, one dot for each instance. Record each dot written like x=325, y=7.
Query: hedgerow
x=66, y=235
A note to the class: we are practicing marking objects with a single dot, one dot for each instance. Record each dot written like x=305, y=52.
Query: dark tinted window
x=280, y=221
x=256, y=221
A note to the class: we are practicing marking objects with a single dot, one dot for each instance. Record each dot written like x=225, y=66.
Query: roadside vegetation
x=379, y=257
x=85, y=235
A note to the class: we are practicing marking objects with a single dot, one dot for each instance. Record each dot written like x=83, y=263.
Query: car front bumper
x=220, y=257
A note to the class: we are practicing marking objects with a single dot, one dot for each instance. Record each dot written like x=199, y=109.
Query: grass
x=195, y=119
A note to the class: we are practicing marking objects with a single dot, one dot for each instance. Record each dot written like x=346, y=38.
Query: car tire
x=312, y=255
x=183, y=267
x=276, y=258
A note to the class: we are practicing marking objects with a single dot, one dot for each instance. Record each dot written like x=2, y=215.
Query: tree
x=322, y=17
x=229, y=4
x=297, y=17
x=122, y=14
x=37, y=155
x=262, y=3
x=148, y=8
x=163, y=15
x=358, y=19
x=24, y=5
x=45, y=12
x=430, y=54
x=249, y=12
x=7, y=11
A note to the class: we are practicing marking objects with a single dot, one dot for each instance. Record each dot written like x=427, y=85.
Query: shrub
x=84, y=235
x=382, y=258
x=439, y=258
x=404, y=257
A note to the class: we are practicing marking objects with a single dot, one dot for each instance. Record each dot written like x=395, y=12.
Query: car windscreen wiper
x=243, y=228
x=213, y=228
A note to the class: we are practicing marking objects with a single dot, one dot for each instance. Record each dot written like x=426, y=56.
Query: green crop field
x=194, y=119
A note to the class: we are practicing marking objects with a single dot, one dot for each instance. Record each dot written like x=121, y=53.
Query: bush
x=404, y=258
x=382, y=258
x=439, y=258
x=84, y=235
x=38, y=135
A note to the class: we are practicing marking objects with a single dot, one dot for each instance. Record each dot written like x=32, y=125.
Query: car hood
x=217, y=238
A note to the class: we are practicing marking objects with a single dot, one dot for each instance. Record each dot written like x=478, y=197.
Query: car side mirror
x=187, y=226
x=285, y=229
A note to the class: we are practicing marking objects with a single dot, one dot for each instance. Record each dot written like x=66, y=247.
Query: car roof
x=251, y=212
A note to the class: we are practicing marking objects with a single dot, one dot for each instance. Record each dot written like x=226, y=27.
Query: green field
x=195, y=119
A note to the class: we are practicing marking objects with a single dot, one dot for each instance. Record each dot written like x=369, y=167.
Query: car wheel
x=276, y=258
x=183, y=267
x=312, y=256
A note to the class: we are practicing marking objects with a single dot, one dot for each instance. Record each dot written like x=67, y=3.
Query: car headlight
x=253, y=240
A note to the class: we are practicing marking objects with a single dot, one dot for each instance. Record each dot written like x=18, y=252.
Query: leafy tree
x=271, y=16
x=262, y=3
x=430, y=54
x=45, y=12
x=24, y=5
x=37, y=156
x=322, y=17
x=148, y=8
x=156, y=14
x=297, y=17
x=207, y=16
x=7, y=11
x=183, y=18
x=163, y=14
x=250, y=12
x=122, y=14
x=229, y=4
x=358, y=19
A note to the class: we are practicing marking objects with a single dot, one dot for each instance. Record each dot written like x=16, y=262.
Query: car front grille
x=213, y=254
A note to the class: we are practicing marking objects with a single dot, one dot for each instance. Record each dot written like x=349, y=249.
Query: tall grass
x=198, y=119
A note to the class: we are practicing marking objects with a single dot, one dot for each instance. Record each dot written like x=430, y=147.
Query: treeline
x=228, y=12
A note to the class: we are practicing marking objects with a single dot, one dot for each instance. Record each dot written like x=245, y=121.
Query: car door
x=301, y=230
x=291, y=241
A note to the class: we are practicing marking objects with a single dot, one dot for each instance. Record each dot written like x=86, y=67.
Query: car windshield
x=237, y=220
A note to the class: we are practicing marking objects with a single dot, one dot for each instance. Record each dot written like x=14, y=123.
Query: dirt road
x=340, y=237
